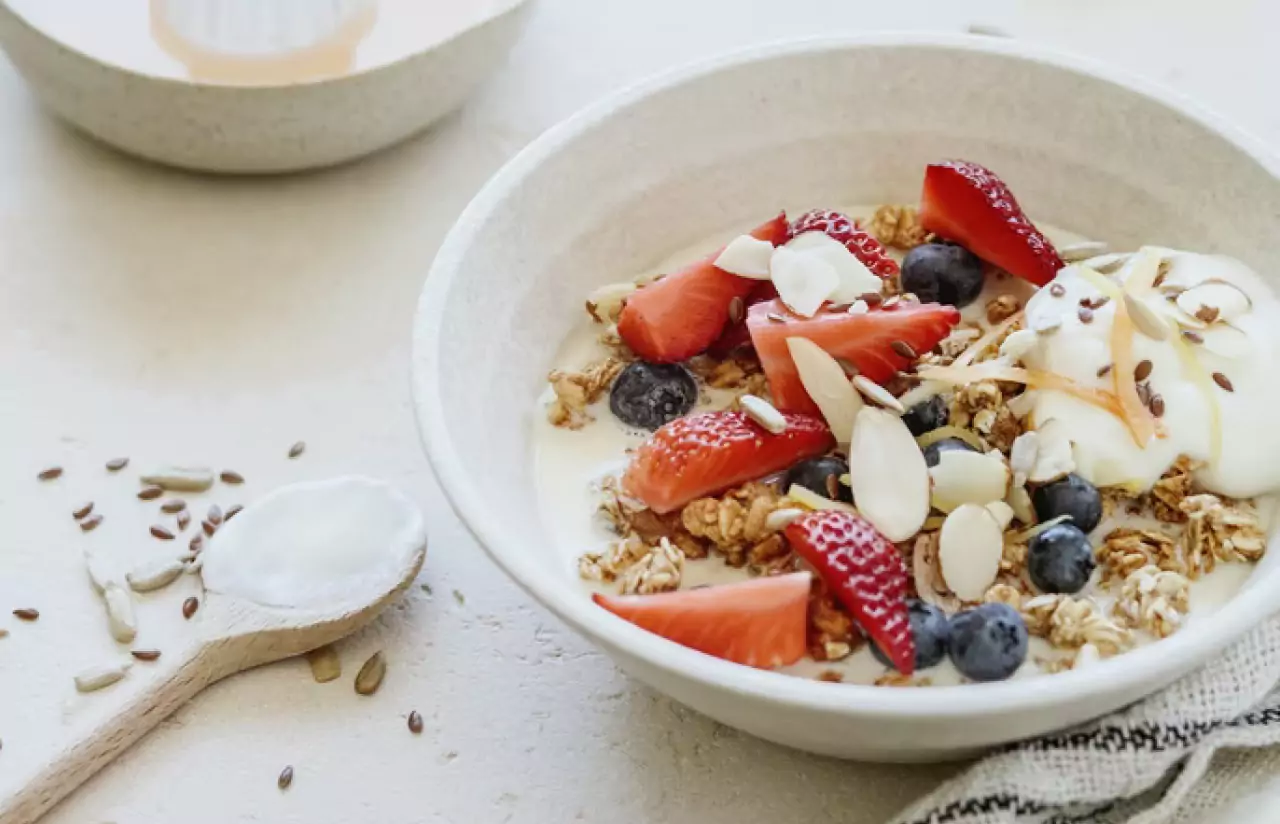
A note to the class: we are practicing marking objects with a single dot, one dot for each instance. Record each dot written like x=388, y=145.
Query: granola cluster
x=897, y=226
x=640, y=567
x=740, y=373
x=575, y=391
x=736, y=525
x=984, y=408
x=1154, y=600
x=1067, y=621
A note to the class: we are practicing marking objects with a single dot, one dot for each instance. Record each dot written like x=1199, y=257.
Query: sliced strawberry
x=866, y=572
x=679, y=316
x=969, y=204
x=736, y=335
x=860, y=242
x=865, y=340
x=760, y=623
x=703, y=454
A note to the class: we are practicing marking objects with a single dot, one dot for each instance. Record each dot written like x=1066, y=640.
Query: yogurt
x=1247, y=352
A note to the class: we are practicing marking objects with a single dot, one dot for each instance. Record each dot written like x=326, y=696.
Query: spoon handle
x=91, y=746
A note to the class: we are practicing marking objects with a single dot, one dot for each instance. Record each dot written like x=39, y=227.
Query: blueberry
x=926, y=416
x=942, y=273
x=1072, y=496
x=931, y=630
x=1060, y=559
x=648, y=395
x=820, y=475
x=988, y=643
x=934, y=451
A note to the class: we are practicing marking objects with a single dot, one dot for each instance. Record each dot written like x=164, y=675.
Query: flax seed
x=52, y=473
x=150, y=493
x=297, y=449
x=1142, y=371
x=1223, y=381
x=91, y=523
x=229, y=477
x=904, y=349
x=161, y=533
x=190, y=606
x=27, y=614
x=116, y=464
x=81, y=512
x=173, y=505
x=215, y=515
x=145, y=654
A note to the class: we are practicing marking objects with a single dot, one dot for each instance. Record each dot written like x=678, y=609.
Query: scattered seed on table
x=229, y=477
x=26, y=614
x=415, y=722
x=325, y=664
x=370, y=676
x=1223, y=381
x=197, y=543
x=184, y=520
x=81, y=512
x=150, y=493
x=286, y=778
x=1142, y=371
x=173, y=505
x=215, y=515
x=50, y=474
x=145, y=654
x=459, y=597
x=154, y=575
x=121, y=621
x=190, y=606
x=180, y=478
x=95, y=678
x=91, y=523
x=116, y=464
x=161, y=533
x=208, y=528
x=297, y=449
x=232, y=512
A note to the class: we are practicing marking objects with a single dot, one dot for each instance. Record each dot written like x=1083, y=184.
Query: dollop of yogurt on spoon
x=1223, y=414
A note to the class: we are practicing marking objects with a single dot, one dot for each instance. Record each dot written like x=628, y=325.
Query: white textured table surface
x=153, y=314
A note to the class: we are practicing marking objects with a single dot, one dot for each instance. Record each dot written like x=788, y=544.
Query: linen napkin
x=1157, y=762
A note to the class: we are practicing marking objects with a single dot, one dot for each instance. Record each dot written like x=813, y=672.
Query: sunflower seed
x=154, y=575
x=904, y=349
x=180, y=478
x=116, y=464
x=415, y=722
x=1223, y=381
x=82, y=511
x=190, y=606
x=161, y=533
x=120, y=618
x=232, y=511
x=95, y=678
x=173, y=505
x=297, y=449
x=215, y=515
x=27, y=614
x=208, y=528
x=229, y=477
x=1145, y=319
x=91, y=523
x=370, y=676
x=1142, y=371
x=146, y=654
x=183, y=520
x=876, y=393
x=286, y=778
x=325, y=664
x=150, y=493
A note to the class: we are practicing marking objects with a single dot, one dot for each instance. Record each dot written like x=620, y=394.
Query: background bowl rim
x=1152, y=664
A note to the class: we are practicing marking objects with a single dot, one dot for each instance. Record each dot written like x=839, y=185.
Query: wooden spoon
x=230, y=635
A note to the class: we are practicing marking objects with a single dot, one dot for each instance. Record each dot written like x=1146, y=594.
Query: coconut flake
x=746, y=257
x=804, y=282
x=825, y=381
x=1002, y=512
x=1054, y=459
x=963, y=477
x=970, y=546
x=887, y=474
x=855, y=278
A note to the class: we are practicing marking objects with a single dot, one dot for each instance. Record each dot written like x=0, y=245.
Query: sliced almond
x=855, y=278
x=1020, y=502
x=887, y=474
x=1018, y=344
x=928, y=578
x=1145, y=319
x=1054, y=458
x=825, y=381
x=812, y=501
x=780, y=519
x=804, y=282
x=1108, y=263
x=763, y=413
x=1229, y=301
x=876, y=393
x=963, y=477
x=605, y=304
x=746, y=257
x=1002, y=512
x=1225, y=341
x=970, y=546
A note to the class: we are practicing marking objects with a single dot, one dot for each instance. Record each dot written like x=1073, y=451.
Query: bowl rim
x=511, y=7
x=1153, y=664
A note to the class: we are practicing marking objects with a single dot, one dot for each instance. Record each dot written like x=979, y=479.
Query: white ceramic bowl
x=255, y=86
x=714, y=147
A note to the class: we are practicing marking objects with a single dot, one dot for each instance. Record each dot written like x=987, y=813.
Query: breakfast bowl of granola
x=887, y=397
